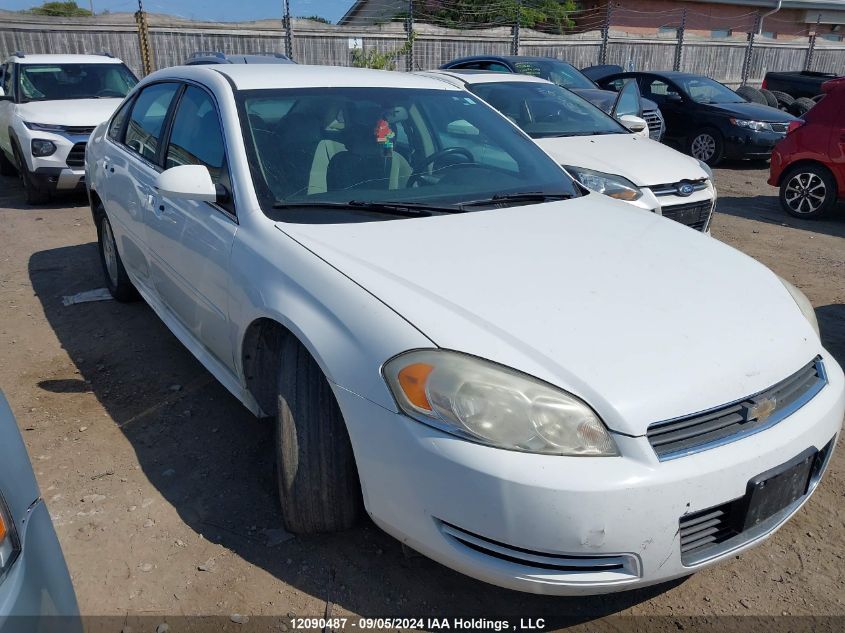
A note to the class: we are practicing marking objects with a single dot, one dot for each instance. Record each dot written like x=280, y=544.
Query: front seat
x=362, y=162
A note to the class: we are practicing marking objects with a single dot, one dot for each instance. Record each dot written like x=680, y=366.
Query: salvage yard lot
x=161, y=486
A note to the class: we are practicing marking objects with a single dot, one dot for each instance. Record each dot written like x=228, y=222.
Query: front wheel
x=808, y=191
x=318, y=480
x=706, y=145
x=34, y=195
x=117, y=281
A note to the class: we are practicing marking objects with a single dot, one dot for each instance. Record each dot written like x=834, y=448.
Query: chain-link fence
x=609, y=34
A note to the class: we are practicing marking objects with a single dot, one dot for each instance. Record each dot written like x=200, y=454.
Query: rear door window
x=146, y=122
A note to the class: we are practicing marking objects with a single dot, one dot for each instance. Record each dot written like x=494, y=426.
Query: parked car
x=805, y=83
x=216, y=57
x=809, y=164
x=447, y=328
x=36, y=593
x=49, y=105
x=707, y=119
x=598, y=151
x=561, y=73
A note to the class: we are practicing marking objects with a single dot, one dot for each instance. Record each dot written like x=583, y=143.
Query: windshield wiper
x=408, y=209
x=520, y=196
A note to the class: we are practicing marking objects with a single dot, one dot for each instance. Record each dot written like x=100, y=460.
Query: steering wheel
x=415, y=178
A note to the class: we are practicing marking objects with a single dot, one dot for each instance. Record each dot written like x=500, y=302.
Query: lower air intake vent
x=567, y=568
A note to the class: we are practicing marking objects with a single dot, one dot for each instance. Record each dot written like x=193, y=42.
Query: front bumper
x=666, y=204
x=742, y=143
x=59, y=178
x=63, y=170
x=608, y=524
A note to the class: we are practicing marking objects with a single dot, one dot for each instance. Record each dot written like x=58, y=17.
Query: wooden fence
x=173, y=40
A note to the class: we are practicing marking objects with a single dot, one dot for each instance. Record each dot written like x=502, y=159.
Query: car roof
x=63, y=59
x=510, y=58
x=259, y=77
x=484, y=76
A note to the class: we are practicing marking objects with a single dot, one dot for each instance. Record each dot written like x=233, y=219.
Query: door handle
x=107, y=167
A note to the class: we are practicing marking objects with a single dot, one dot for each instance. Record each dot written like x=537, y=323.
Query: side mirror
x=633, y=123
x=188, y=182
x=628, y=101
x=673, y=97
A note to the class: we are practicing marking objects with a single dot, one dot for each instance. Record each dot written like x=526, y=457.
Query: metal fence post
x=515, y=40
x=679, y=48
x=808, y=62
x=288, y=30
x=409, y=30
x=605, y=33
x=144, y=40
x=746, y=63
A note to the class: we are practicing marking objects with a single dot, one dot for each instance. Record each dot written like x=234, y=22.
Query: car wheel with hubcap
x=117, y=281
x=34, y=195
x=706, y=145
x=808, y=191
x=317, y=476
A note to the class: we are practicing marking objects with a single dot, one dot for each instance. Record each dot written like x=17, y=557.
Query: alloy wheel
x=110, y=252
x=805, y=193
x=703, y=147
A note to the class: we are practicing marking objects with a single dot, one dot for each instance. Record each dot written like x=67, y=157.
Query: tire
x=317, y=477
x=808, y=191
x=117, y=281
x=7, y=167
x=33, y=194
x=801, y=106
x=771, y=99
x=707, y=145
x=751, y=94
x=784, y=100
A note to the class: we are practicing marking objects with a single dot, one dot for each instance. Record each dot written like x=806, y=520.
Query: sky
x=214, y=10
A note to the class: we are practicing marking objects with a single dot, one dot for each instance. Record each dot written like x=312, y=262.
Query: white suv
x=49, y=105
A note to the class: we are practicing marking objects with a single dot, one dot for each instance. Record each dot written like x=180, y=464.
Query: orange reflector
x=412, y=379
x=2, y=529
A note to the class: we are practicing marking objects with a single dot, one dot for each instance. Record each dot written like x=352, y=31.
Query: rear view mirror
x=462, y=128
x=633, y=123
x=673, y=97
x=189, y=182
x=628, y=101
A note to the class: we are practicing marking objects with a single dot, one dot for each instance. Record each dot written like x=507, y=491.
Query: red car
x=809, y=163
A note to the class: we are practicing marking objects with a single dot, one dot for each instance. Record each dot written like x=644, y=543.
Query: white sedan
x=595, y=148
x=530, y=383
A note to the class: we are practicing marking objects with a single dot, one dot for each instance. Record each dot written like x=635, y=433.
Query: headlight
x=608, y=184
x=803, y=304
x=45, y=127
x=706, y=168
x=9, y=547
x=490, y=404
x=757, y=126
x=40, y=147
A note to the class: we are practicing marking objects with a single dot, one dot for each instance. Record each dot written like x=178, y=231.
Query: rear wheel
x=808, y=191
x=34, y=195
x=117, y=281
x=706, y=145
x=317, y=476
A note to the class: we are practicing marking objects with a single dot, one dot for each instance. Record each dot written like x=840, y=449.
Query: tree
x=315, y=18
x=546, y=15
x=381, y=61
x=60, y=9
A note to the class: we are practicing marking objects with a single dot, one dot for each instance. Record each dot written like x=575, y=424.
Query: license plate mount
x=772, y=491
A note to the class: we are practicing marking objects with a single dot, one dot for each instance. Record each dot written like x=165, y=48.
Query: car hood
x=76, y=112
x=641, y=160
x=605, y=99
x=752, y=112
x=638, y=315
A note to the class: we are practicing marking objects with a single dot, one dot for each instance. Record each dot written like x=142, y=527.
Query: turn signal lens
x=412, y=380
x=2, y=529
x=794, y=125
x=9, y=546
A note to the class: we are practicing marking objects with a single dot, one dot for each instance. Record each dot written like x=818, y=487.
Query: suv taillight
x=794, y=125
x=763, y=87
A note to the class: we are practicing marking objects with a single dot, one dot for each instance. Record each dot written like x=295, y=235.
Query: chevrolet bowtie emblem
x=760, y=410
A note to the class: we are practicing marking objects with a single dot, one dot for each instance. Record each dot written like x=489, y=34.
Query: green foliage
x=60, y=9
x=546, y=15
x=381, y=61
x=315, y=18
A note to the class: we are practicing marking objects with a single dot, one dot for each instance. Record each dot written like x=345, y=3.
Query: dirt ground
x=161, y=485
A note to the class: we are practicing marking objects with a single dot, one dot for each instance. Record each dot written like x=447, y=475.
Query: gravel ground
x=161, y=485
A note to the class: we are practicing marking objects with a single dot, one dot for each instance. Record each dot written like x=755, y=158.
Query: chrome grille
x=695, y=215
x=671, y=189
x=691, y=434
x=76, y=156
x=655, y=124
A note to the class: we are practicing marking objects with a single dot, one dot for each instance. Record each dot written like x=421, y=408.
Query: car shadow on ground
x=767, y=209
x=213, y=461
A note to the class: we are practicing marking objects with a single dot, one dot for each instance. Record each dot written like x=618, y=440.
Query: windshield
x=557, y=72
x=443, y=148
x=543, y=110
x=704, y=90
x=47, y=82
